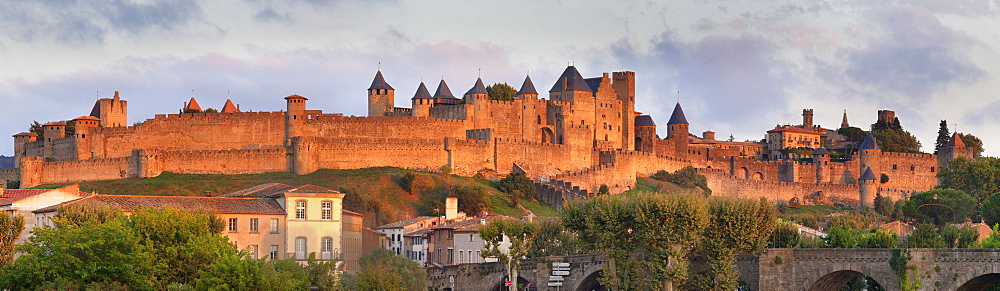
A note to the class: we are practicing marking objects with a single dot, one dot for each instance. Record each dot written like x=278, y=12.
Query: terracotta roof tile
x=404, y=223
x=219, y=205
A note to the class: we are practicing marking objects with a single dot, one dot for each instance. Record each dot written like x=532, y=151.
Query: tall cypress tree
x=943, y=136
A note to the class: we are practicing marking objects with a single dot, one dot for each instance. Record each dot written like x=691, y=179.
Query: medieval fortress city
x=585, y=135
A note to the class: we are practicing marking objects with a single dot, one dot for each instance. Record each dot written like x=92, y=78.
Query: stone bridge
x=773, y=269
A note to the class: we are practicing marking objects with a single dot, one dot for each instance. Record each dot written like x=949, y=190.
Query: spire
x=193, y=104
x=868, y=175
x=379, y=82
x=574, y=81
x=844, y=124
x=229, y=107
x=528, y=87
x=678, y=116
x=443, y=91
x=956, y=141
x=869, y=143
x=422, y=92
x=479, y=88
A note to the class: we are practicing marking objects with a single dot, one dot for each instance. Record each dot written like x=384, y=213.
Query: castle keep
x=586, y=134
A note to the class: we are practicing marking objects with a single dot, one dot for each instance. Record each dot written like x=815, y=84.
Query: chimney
x=451, y=208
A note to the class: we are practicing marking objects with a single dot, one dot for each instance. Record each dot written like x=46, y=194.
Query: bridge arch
x=838, y=279
x=590, y=282
x=981, y=282
x=499, y=286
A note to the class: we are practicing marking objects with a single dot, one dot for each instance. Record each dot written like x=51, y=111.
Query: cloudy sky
x=741, y=66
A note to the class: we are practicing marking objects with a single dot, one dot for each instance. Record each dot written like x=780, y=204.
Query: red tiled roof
x=473, y=225
x=345, y=211
x=8, y=196
x=229, y=107
x=219, y=205
x=262, y=190
x=404, y=223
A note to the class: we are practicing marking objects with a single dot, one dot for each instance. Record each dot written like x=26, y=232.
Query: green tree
x=883, y=205
x=382, y=269
x=472, y=199
x=181, y=242
x=959, y=237
x=896, y=140
x=89, y=252
x=553, y=239
x=925, y=235
x=943, y=136
x=853, y=135
x=973, y=142
x=518, y=186
x=785, y=235
x=991, y=209
x=11, y=227
x=978, y=177
x=841, y=238
x=739, y=225
x=686, y=177
x=37, y=128
x=879, y=239
x=238, y=272
x=77, y=214
x=518, y=234
x=939, y=206
x=501, y=91
x=663, y=227
x=406, y=182
x=849, y=221
x=992, y=241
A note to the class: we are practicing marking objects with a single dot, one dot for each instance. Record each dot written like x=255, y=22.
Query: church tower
x=954, y=149
x=380, y=96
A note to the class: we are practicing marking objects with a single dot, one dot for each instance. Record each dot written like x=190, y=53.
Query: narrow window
x=274, y=225
x=300, y=248
x=253, y=251
x=274, y=252
x=300, y=209
x=327, y=210
x=233, y=224
x=254, y=225
x=326, y=248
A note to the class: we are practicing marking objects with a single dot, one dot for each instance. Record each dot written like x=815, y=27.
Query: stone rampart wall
x=84, y=170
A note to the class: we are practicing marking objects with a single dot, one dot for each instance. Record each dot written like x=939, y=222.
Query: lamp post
x=938, y=204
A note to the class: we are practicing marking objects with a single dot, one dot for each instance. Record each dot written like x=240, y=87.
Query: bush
x=445, y=169
x=686, y=177
x=518, y=186
x=406, y=182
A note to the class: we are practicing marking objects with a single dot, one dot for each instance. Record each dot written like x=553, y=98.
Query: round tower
x=480, y=99
x=294, y=117
x=530, y=122
x=677, y=131
x=422, y=102
x=381, y=96
x=20, y=142
x=645, y=133
x=868, y=187
x=869, y=154
x=821, y=158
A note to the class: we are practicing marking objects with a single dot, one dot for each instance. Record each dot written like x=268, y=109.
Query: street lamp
x=938, y=204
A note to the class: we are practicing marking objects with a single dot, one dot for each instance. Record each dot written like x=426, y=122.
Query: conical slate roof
x=868, y=175
x=527, y=87
x=678, y=116
x=574, y=81
x=422, y=92
x=193, y=104
x=644, y=120
x=379, y=82
x=229, y=107
x=443, y=91
x=956, y=141
x=821, y=151
x=869, y=143
x=479, y=88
